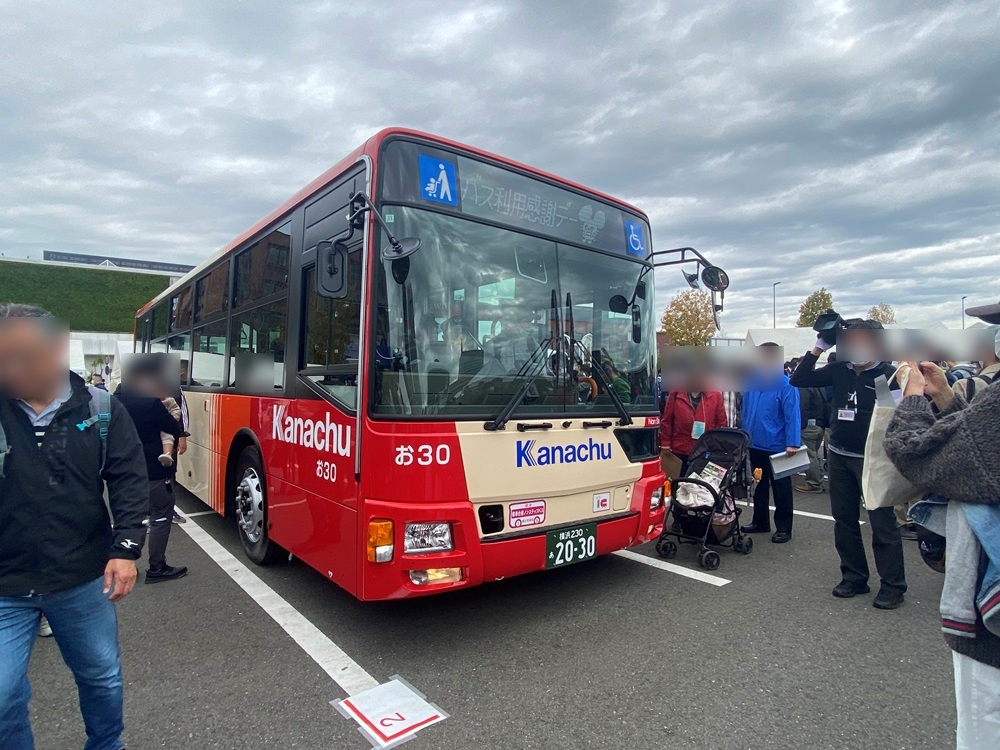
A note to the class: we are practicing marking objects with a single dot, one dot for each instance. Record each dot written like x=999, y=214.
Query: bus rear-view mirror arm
x=397, y=249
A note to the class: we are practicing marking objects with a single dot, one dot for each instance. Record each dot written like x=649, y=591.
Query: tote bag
x=881, y=483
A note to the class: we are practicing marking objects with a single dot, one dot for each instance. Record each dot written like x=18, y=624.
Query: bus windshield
x=478, y=310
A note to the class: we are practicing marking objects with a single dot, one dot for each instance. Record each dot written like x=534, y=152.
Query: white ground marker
x=343, y=670
x=805, y=513
x=671, y=568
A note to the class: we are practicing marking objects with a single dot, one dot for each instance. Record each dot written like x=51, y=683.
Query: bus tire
x=251, y=509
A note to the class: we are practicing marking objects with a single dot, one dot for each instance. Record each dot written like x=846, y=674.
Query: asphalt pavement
x=610, y=653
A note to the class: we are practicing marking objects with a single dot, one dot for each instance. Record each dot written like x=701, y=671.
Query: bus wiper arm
x=623, y=416
x=537, y=368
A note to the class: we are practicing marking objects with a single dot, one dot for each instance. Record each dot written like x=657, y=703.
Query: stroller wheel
x=709, y=559
x=666, y=548
x=744, y=545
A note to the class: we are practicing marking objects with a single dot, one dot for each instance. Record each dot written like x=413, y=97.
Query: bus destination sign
x=485, y=191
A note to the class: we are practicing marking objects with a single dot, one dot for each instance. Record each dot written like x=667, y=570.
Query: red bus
x=431, y=368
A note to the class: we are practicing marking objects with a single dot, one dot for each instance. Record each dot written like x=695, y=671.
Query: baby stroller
x=703, y=503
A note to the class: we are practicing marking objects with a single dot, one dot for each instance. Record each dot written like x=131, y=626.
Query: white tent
x=77, y=362
x=796, y=341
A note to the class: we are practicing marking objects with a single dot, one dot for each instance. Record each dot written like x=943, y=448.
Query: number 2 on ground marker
x=388, y=721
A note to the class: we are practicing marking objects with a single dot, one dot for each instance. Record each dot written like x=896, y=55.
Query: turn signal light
x=380, y=534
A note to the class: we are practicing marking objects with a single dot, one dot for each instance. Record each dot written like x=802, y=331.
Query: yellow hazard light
x=435, y=576
x=380, y=533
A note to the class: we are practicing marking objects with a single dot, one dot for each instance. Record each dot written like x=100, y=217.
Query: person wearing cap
x=852, y=406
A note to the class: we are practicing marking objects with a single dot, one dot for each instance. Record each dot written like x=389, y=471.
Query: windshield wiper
x=623, y=416
x=536, y=368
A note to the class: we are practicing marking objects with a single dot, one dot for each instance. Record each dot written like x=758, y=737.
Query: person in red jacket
x=686, y=417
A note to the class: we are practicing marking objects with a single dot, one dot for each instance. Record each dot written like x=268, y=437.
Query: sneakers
x=166, y=573
x=178, y=518
x=166, y=459
x=44, y=629
x=908, y=533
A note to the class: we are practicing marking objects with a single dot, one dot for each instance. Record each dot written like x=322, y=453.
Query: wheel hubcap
x=250, y=506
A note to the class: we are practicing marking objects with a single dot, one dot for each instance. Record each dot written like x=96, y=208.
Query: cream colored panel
x=623, y=498
x=194, y=468
x=540, y=480
x=508, y=465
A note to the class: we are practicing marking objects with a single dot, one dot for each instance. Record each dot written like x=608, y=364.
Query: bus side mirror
x=331, y=270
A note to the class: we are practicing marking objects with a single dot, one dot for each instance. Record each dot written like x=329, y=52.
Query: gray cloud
x=849, y=145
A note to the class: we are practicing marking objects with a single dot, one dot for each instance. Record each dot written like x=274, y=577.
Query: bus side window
x=332, y=340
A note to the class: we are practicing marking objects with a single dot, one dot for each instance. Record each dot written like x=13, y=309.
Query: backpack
x=971, y=388
x=100, y=414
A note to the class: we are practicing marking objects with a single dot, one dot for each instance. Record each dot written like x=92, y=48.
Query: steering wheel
x=585, y=380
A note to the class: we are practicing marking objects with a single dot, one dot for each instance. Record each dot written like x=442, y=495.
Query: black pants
x=780, y=488
x=161, y=514
x=845, y=505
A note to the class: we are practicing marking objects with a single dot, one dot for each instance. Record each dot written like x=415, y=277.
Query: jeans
x=812, y=438
x=780, y=488
x=845, y=505
x=977, y=703
x=85, y=627
x=161, y=515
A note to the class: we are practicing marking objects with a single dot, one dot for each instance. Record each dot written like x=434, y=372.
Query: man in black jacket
x=140, y=394
x=60, y=553
x=852, y=407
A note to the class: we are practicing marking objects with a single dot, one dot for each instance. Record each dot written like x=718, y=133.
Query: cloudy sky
x=852, y=145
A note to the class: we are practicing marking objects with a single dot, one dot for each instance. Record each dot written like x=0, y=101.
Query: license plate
x=568, y=546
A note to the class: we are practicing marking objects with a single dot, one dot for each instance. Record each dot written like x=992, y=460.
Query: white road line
x=671, y=568
x=331, y=658
x=199, y=513
x=805, y=513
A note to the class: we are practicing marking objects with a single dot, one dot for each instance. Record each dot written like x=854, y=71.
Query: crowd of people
x=72, y=458
x=943, y=438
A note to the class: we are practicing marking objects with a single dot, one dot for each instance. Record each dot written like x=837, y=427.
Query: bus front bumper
x=473, y=560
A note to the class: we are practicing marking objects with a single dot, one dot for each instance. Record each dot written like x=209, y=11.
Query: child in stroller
x=703, y=502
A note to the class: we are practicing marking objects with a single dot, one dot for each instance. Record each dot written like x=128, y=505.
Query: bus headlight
x=656, y=499
x=421, y=538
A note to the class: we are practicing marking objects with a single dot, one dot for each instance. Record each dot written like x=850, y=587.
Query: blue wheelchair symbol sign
x=438, y=181
x=635, y=238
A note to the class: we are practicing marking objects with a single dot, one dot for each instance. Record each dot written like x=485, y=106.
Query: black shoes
x=780, y=537
x=752, y=528
x=166, y=573
x=887, y=599
x=846, y=589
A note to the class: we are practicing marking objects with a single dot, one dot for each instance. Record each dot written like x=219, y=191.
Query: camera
x=827, y=325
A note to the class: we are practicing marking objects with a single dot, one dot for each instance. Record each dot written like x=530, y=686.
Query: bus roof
x=370, y=148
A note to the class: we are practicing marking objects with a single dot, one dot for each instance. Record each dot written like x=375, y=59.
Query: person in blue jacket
x=771, y=416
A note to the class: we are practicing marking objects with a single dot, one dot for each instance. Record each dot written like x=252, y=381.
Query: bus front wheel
x=251, y=509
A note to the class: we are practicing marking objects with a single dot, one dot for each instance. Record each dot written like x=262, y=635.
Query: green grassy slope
x=89, y=299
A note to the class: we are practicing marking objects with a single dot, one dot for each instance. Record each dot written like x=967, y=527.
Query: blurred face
x=34, y=357
x=860, y=346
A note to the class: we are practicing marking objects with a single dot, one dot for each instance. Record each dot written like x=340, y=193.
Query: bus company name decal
x=320, y=434
x=546, y=455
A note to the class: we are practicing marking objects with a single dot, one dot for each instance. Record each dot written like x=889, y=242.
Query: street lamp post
x=963, y=310
x=774, y=305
